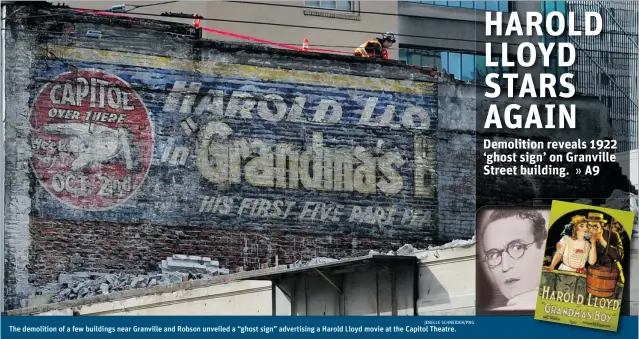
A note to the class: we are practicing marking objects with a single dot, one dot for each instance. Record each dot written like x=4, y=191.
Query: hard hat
x=388, y=36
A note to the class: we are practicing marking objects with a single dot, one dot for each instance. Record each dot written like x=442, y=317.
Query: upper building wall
x=281, y=23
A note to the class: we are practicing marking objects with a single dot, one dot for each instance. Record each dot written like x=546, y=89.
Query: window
x=420, y=57
x=464, y=66
x=337, y=5
x=607, y=100
x=496, y=6
x=546, y=8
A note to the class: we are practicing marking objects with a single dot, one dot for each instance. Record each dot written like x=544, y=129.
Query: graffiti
x=92, y=141
x=256, y=147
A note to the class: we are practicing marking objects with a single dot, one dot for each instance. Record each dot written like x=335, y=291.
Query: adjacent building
x=335, y=25
x=606, y=65
x=450, y=34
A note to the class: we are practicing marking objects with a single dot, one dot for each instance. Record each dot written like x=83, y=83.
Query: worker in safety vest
x=376, y=48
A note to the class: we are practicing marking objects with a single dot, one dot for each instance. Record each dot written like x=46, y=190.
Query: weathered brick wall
x=456, y=161
x=136, y=247
x=242, y=154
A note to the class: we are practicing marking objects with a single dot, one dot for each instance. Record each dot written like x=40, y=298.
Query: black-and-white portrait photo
x=510, y=253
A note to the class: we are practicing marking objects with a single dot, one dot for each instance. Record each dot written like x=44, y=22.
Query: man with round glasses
x=512, y=241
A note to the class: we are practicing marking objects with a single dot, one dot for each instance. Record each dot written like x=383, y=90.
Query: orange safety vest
x=361, y=50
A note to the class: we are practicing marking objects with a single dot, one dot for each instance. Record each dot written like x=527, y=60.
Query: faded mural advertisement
x=92, y=140
x=237, y=146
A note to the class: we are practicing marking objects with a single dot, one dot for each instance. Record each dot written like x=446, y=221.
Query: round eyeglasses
x=595, y=227
x=515, y=249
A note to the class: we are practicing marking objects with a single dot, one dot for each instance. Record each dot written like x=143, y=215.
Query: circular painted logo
x=92, y=139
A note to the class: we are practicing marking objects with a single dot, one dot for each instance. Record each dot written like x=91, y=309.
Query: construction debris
x=314, y=261
x=406, y=250
x=192, y=264
x=619, y=200
x=174, y=269
x=583, y=201
x=455, y=244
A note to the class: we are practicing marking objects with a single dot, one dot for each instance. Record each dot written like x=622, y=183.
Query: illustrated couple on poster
x=512, y=244
x=588, y=241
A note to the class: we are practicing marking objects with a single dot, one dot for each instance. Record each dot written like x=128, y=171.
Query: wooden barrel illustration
x=602, y=281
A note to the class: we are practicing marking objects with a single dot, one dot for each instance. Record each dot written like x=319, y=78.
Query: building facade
x=451, y=39
x=606, y=65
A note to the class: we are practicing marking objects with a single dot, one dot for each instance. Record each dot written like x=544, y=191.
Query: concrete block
x=195, y=258
x=65, y=278
x=104, y=288
x=36, y=300
x=174, y=262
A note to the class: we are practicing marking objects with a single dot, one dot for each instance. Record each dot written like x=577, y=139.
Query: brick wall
x=71, y=246
x=153, y=174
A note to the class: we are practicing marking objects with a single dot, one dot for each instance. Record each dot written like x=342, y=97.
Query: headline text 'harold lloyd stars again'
x=555, y=25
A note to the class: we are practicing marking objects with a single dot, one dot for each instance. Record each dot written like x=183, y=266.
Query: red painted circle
x=92, y=139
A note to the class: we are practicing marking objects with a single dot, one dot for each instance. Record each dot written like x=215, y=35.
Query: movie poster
x=583, y=277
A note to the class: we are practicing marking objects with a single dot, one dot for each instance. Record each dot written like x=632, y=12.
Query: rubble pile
x=455, y=244
x=408, y=249
x=174, y=269
x=314, y=261
x=192, y=264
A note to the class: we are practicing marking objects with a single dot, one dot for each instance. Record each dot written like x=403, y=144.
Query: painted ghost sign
x=243, y=146
x=92, y=140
